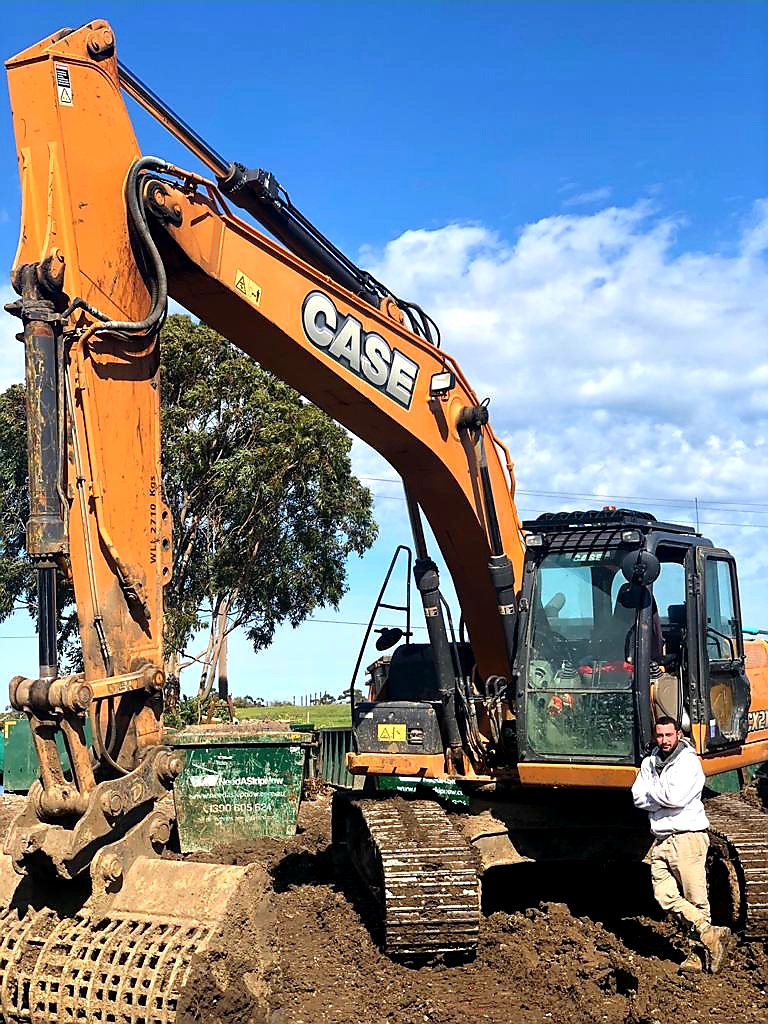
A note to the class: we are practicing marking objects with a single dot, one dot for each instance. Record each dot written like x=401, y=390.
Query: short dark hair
x=668, y=720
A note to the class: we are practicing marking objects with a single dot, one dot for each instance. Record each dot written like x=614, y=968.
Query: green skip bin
x=237, y=784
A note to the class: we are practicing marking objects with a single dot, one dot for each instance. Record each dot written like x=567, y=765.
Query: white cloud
x=617, y=363
x=596, y=195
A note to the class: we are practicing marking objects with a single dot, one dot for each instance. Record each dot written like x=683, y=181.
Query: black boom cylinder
x=428, y=581
x=46, y=623
x=255, y=191
x=46, y=529
x=45, y=526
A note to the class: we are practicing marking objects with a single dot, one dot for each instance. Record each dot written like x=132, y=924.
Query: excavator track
x=422, y=872
x=739, y=835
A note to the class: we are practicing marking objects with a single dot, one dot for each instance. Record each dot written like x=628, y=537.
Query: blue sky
x=573, y=188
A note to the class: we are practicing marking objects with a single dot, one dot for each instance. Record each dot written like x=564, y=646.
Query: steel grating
x=114, y=970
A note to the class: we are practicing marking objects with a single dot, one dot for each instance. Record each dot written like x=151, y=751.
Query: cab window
x=720, y=608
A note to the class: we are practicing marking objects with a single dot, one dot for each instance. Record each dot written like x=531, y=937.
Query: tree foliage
x=16, y=576
x=265, y=507
x=18, y=581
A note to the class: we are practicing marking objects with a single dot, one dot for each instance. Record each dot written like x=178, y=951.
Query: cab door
x=724, y=687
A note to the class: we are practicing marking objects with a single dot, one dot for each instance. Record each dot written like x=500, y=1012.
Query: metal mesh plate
x=116, y=970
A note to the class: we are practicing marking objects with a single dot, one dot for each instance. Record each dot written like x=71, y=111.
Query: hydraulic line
x=463, y=686
x=428, y=582
x=259, y=192
x=158, y=289
x=98, y=619
x=473, y=419
x=107, y=745
x=159, y=286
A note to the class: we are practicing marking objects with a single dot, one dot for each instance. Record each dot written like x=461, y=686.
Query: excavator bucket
x=171, y=942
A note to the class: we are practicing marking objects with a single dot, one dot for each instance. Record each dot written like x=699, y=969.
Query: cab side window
x=725, y=679
x=720, y=607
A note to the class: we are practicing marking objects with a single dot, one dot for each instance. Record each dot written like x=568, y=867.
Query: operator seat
x=674, y=632
x=613, y=642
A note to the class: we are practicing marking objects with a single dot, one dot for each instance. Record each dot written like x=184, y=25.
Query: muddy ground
x=549, y=963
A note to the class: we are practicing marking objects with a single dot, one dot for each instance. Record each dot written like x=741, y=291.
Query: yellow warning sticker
x=391, y=733
x=63, y=86
x=248, y=288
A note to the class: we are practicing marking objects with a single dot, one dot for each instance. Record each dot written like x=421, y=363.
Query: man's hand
x=642, y=788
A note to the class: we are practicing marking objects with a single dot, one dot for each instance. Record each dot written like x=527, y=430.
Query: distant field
x=320, y=715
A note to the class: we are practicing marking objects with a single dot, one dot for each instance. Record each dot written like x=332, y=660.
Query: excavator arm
x=107, y=236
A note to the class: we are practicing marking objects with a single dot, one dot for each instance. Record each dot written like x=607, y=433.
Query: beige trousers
x=678, y=873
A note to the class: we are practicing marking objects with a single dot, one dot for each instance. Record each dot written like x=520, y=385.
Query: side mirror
x=388, y=637
x=641, y=567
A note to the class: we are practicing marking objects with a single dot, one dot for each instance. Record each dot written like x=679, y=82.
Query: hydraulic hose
x=159, y=286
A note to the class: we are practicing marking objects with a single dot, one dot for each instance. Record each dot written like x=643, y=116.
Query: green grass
x=336, y=715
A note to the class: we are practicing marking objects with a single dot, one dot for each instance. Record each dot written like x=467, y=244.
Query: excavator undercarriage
x=424, y=863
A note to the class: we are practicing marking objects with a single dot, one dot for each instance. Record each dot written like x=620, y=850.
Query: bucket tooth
x=176, y=943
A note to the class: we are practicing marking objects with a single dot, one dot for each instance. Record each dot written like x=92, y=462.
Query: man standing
x=669, y=786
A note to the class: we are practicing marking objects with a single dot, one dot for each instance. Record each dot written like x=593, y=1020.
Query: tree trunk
x=172, y=687
x=223, y=675
x=216, y=639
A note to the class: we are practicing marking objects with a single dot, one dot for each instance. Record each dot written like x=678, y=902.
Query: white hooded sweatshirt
x=672, y=796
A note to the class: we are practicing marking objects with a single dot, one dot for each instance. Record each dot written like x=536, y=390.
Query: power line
x=685, y=504
x=345, y=622
x=645, y=499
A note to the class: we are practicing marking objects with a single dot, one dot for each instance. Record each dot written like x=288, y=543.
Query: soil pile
x=10, y=806
x=544, y=964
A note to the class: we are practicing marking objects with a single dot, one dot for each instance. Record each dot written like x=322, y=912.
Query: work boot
x=717, y=941
x=693, y=963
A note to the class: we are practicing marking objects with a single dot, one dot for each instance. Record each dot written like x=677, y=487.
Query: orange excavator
x=514, y=741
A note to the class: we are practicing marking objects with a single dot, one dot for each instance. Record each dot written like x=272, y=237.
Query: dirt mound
x=545, y=965
x=540, y=965
x=243, y=727
x=10, y=806
x=231, y=980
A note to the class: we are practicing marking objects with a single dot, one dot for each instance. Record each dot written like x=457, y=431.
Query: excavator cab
x=606, y=649
x=621, y=619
